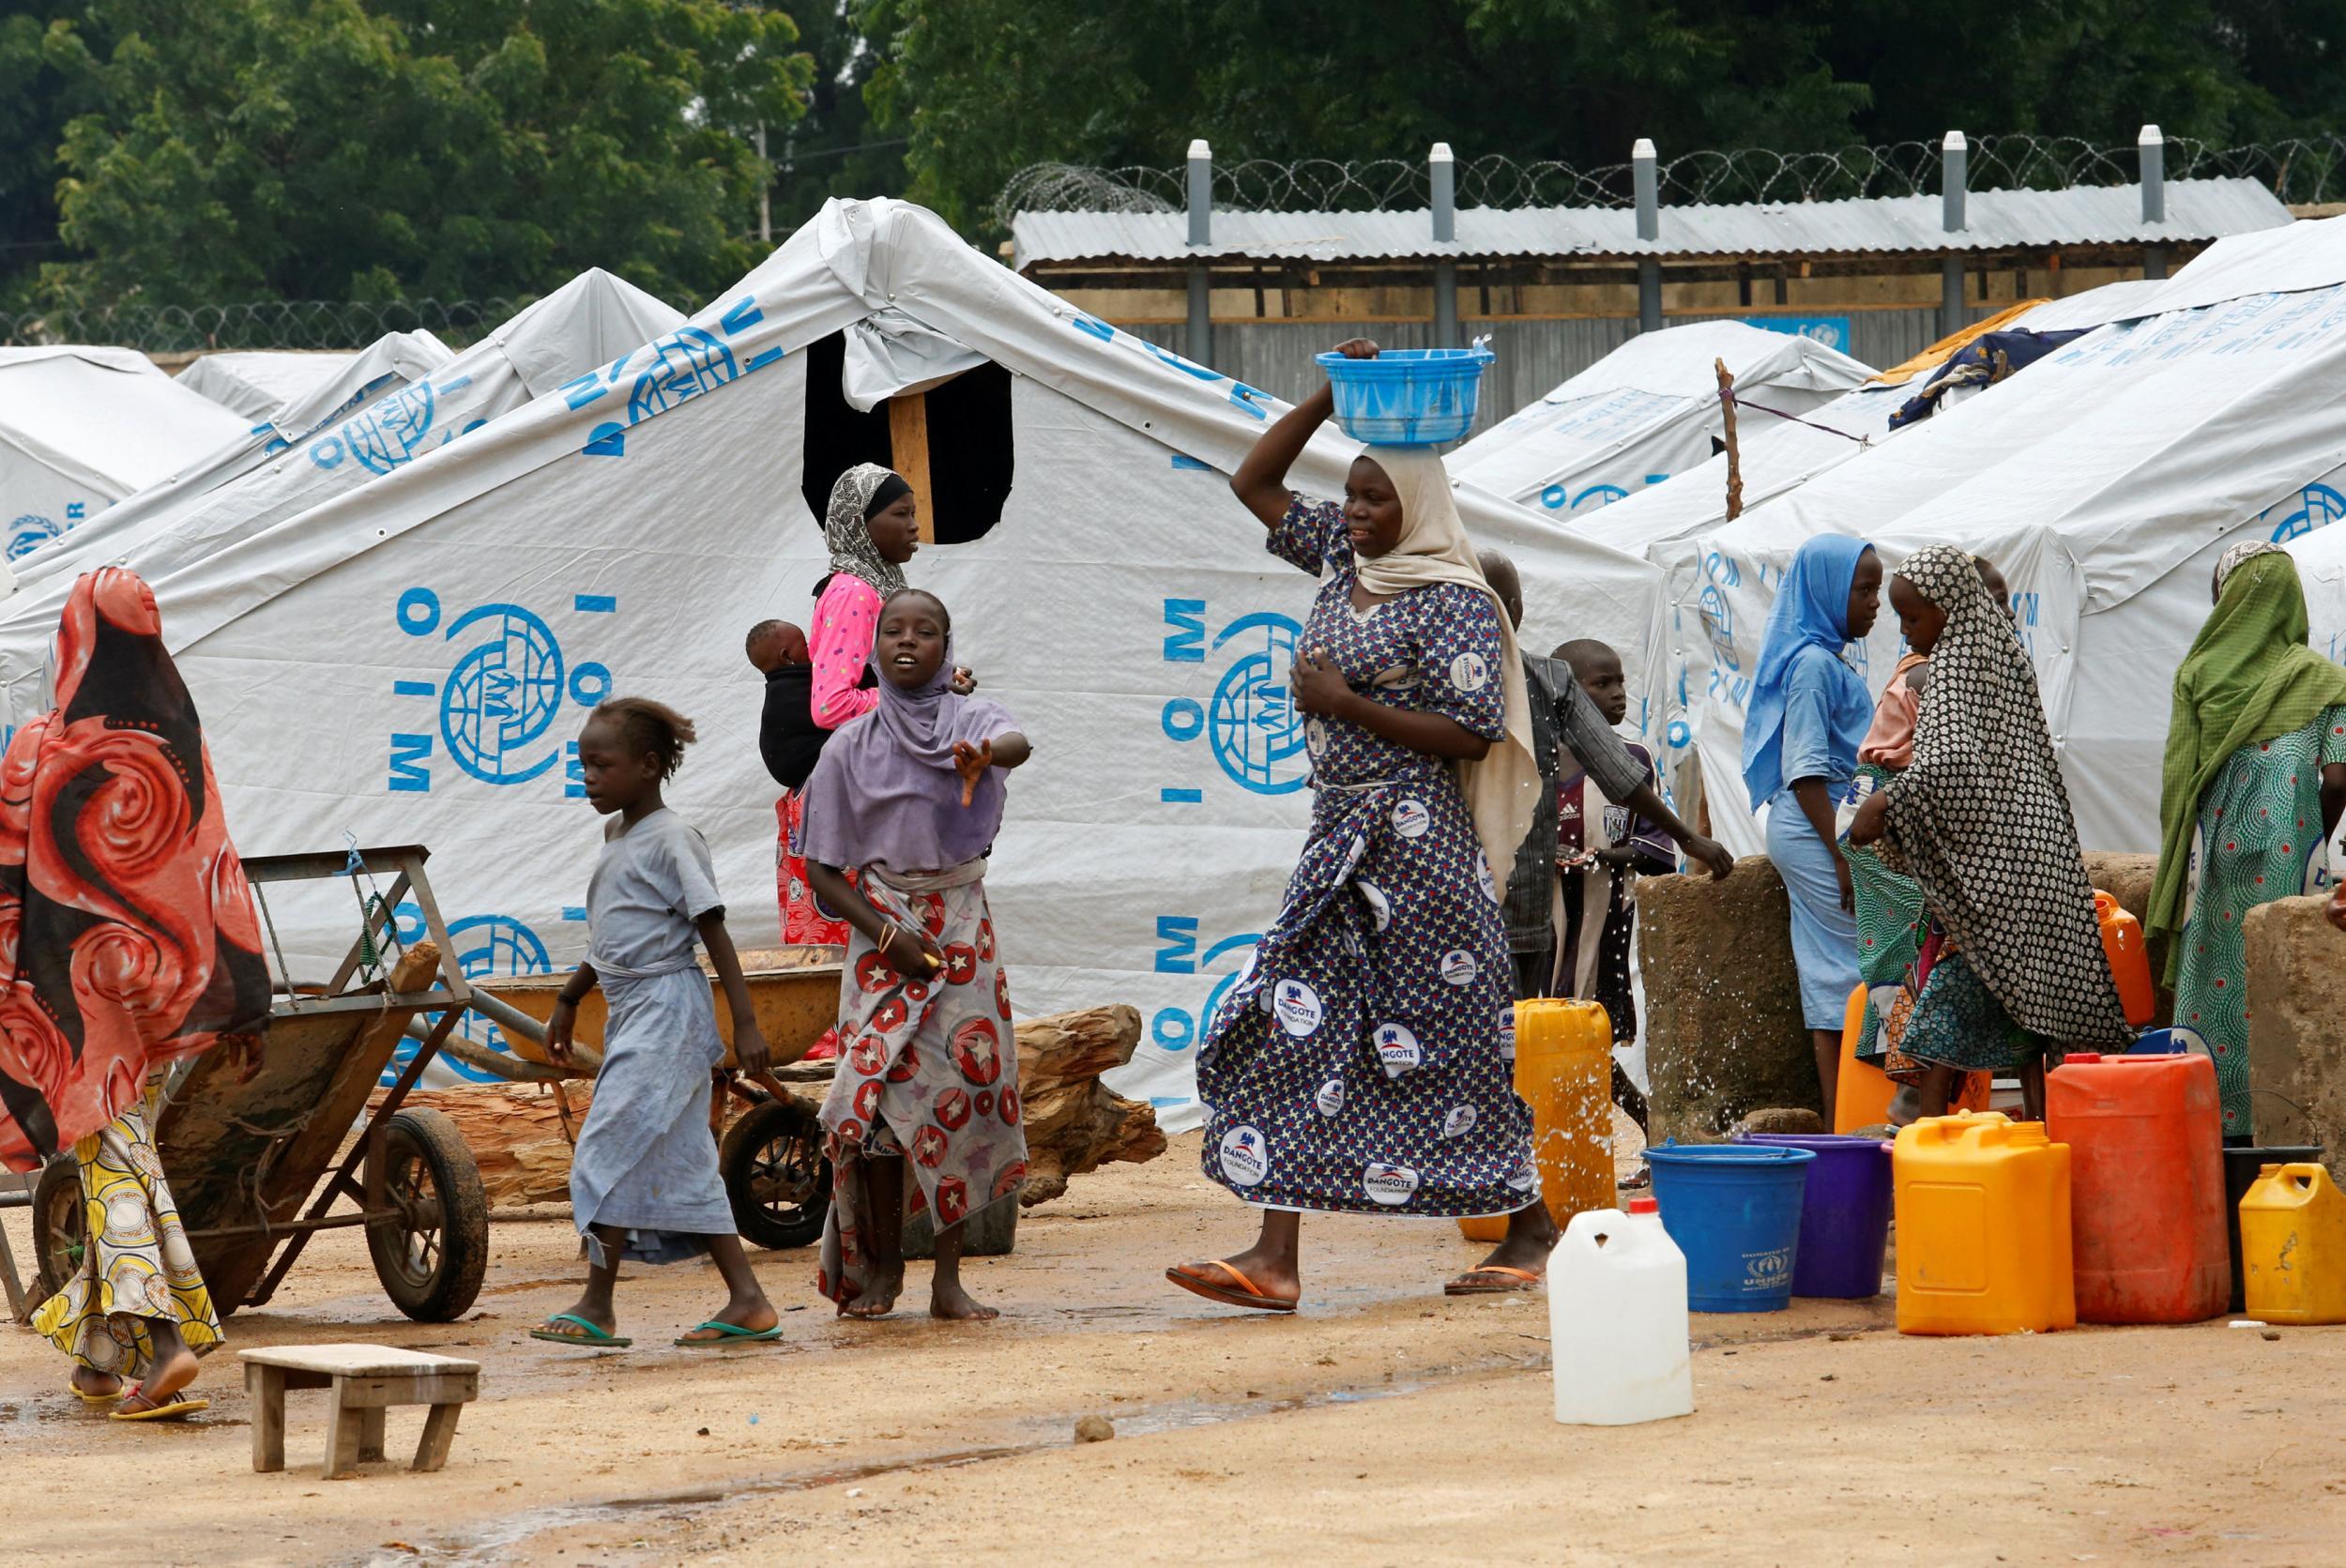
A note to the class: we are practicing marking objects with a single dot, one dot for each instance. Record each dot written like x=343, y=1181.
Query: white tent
x=1644, y=412
x=2106, y=477
x=411, y=660
x=391, y=362
x=257, y=383
x=1666, y=523
x=588, y=322
x=81, y=427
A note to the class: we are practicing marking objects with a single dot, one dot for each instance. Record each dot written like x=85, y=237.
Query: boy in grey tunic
x=644, y=1179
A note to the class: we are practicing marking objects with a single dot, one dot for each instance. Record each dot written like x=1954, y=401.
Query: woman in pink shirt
x=872, y=528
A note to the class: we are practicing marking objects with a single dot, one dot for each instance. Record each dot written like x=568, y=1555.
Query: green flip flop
x=730, y=1333
x=591, y=1335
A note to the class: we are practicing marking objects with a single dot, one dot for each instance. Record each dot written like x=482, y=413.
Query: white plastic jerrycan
x=1617, y=1319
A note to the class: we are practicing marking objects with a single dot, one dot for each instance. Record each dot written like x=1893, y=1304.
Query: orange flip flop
x=1243, y=1293
x=1526, y=1280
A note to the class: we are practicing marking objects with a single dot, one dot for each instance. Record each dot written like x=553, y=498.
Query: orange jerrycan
x=1863, y=1093
x=1983, y=1218
x=2129, y=959
x=2292, y=1246
x=2146, y=1178
x=1564, y=1072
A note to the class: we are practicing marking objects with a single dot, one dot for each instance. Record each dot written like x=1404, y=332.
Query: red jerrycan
x=2146, y=1151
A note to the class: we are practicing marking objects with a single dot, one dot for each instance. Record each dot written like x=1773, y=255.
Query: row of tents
x=396, y=595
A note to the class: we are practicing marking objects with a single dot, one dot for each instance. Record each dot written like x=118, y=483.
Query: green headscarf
x=2249, y=676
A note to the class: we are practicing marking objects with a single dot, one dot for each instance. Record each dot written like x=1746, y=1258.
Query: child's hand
x=965, y=680
x=751, y=1054
x=972, y=762
x=913, y=955
x=2336, y=909
x=558, y=1025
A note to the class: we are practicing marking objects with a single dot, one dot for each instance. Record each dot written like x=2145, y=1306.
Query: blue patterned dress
x=1362, y=1063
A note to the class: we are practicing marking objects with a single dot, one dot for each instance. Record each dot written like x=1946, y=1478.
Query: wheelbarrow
x=242, y=1157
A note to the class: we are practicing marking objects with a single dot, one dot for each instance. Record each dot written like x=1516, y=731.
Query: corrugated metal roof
x=2197, y=209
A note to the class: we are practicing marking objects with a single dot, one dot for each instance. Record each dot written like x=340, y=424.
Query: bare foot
x=955, y=1304
x=757, y=1316
x=97, y=1384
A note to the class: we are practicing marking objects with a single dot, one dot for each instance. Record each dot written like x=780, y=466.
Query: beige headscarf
x=1501, y=789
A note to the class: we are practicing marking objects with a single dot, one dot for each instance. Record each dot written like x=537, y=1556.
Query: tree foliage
x=983, y=87
x=332, y=149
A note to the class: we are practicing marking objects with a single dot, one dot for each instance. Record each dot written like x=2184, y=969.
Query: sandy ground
x=1382, y=1425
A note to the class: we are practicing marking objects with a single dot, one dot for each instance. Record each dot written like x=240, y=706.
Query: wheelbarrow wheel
x=58, y=1233
x=430, y=1258
x=775, y=1174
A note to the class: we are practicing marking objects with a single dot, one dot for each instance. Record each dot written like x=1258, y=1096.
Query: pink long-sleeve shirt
x=847, y=613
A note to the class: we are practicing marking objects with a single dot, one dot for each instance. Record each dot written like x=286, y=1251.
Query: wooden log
x=515, y=1132
x=1074, y=1124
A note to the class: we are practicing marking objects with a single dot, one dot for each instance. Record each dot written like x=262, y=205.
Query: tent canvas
x=589, y=321
x=1666, y=524
x=81, y=427
x=2147, y=447
x=256, y=383
x=392, y=361
x=1644, y=412
x=413, y=658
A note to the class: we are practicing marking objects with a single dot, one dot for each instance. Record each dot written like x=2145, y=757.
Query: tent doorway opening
x=953, y=444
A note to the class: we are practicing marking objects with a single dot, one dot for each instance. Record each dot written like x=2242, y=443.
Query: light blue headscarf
x=1811, y=611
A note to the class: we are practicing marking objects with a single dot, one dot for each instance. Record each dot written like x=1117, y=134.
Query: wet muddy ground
x=1381, y=1424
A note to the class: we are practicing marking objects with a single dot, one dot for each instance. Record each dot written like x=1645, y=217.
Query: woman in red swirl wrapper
x=128, y=940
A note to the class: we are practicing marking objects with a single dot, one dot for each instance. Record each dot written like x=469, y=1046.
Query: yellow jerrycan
x=1564, y=1072
x=1983, y=1217
x=2292, y=1246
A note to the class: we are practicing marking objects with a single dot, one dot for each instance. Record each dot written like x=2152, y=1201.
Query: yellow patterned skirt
x=136, y=1264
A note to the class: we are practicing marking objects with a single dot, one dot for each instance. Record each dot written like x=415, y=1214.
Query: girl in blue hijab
x=1808, y=714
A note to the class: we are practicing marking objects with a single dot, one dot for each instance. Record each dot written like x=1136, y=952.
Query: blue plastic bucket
x=1406, y=397
x=1734, y=1210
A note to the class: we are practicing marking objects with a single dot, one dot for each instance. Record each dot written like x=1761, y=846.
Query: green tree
x=982, y=88
x=835, y=149
x=42, y=86
x=253, y=149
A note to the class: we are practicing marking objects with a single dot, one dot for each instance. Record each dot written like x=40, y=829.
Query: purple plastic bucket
x=1844, y=1215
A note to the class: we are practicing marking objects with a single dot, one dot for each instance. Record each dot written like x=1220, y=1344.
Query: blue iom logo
x=2317, y=506
x=1176, y=1029
x=690, y=362
x=488, y=946
x=393, y=432
x=501, y=696
x=1250, y=721
x=31, y=531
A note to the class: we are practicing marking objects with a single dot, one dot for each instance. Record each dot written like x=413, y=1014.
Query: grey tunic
x=644, y=1160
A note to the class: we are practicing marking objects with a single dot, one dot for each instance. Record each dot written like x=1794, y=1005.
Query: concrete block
x=1723, y=1029
x=2296, y=1048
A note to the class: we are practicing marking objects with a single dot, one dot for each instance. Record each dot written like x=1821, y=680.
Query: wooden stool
x=365, y=1379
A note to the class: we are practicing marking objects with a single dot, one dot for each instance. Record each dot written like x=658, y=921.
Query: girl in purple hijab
x=913, y=795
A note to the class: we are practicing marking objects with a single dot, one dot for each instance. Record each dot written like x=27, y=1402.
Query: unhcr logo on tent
x=1250, y=722
x=499, y=700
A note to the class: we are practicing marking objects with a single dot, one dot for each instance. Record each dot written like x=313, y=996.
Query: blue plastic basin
x=1406, y=397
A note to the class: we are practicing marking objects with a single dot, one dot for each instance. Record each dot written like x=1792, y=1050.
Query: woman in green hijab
x=2256, y=753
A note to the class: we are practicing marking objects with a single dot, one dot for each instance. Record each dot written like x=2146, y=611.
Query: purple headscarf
x=886, y=793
